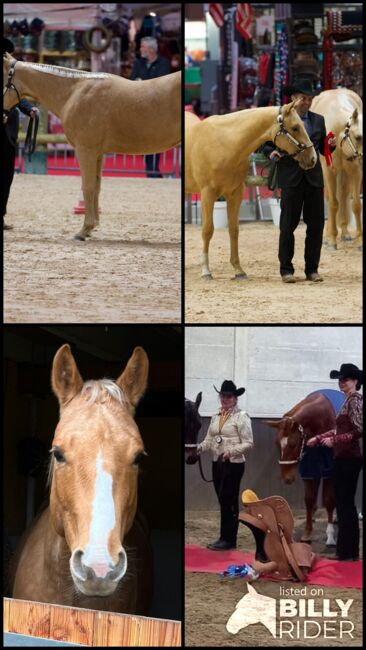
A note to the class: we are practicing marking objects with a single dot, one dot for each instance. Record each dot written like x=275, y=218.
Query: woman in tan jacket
x=228, y=437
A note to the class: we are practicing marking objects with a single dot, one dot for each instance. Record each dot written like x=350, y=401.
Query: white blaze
x=102, y=523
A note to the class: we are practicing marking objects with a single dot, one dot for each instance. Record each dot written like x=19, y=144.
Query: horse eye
x=58, y=455
x=295, y=128
x=139, y=457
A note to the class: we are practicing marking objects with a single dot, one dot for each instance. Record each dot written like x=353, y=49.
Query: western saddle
x=272, y=524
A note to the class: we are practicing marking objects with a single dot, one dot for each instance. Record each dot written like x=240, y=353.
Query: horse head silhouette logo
x=253, y=608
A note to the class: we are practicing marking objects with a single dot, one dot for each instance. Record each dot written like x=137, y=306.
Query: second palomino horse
x=342, y=111
x=314, y=414
x=217, y=160
x=87, y=548
x=100, y=113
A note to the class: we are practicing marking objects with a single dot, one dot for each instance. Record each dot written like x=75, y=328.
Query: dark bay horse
x=87, y=548
x=192, y=426
x=314, y=414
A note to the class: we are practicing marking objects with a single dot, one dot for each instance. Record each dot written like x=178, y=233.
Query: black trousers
x=226, y=478
x=152, y=165
x=346, y=472
x=293, y=200
x=8, y=170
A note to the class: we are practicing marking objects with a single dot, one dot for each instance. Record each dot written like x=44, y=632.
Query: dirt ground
x=263, y=298
x=210, y=600
x=129, y=271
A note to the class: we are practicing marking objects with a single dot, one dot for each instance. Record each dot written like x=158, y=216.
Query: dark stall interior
x=31, y=414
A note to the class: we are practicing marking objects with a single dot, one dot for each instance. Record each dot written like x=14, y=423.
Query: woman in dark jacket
x=347, y=458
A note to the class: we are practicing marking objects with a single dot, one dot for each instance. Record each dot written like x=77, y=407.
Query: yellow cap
x=248, y=496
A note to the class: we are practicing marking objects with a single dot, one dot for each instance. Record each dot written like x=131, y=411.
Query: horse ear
x=288, y=107
x=272, y=423
x=355, y=114
x=66, y=379
x=133, y=380
x=198, y=400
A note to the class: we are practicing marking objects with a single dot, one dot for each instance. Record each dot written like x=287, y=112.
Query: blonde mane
x=96, y=390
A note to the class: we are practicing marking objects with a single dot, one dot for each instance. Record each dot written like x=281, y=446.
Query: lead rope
x=31, y=138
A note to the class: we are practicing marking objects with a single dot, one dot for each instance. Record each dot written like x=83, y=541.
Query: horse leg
x=311, y=493
x=331, y=231
x=207, y=202
x=329, y=505
x=99, y=181
x=356, y=206
x=233, y=206
x=88, y=168
x=344, y=212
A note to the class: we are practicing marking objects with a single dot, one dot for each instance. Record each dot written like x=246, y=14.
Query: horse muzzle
x=98, y=579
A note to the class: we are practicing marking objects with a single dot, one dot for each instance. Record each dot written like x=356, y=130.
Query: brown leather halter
x=30, y=138
x=301, y=147
x=300, y=429
x=356, y=154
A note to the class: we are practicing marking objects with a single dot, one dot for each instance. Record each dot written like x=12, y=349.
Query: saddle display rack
x=272, y=524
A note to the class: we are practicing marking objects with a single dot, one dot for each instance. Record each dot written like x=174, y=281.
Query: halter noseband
x=356, y=154
x=301, y=147
x=300, y=429
x=9, y=84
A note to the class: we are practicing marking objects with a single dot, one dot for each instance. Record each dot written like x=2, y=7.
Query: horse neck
x=251, y=128
x=49, y=90
x=314, y=417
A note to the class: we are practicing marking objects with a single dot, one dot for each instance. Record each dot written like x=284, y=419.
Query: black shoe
x=221, y=545
x=288, y=278
x=314, y=277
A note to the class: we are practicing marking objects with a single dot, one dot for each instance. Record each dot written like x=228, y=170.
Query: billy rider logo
x=301, y=618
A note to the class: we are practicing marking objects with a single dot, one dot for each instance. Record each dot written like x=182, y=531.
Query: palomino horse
x=217, y=159
x=314, y=414
x=342, y=110
x=87, y=548
x=100, y=113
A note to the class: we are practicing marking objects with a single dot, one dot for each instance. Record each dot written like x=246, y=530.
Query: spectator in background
x=149, y=66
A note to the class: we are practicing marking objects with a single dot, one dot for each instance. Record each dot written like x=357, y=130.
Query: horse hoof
x=331, y=247
x=208, y=276
x=241, y=276
x=346, y=238
x=79, y=238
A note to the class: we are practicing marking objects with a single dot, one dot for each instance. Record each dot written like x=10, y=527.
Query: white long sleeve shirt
x=236, y=436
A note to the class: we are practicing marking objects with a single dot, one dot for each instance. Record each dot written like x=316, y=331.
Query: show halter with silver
x=301, y=147
x=356, y=154
x=300, y=428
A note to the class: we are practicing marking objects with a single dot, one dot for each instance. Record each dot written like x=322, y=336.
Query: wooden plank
x=72, y=624
x=6, y=614
x=155, y=632
x=88, y=627
x=26, y=617
x=116, y=630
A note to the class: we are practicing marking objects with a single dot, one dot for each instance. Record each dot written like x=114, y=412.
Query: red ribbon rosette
x=327, y=152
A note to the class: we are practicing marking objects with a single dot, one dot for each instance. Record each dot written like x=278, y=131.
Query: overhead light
x=152, y=13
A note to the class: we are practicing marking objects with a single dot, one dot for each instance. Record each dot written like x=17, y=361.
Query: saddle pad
x=332, y=573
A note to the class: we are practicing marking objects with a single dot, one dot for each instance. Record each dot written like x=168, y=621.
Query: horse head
x=94, y=468
x=289, y=440
x=351, y=138
x=290, y=135
x=192, y=425
x=11, y=93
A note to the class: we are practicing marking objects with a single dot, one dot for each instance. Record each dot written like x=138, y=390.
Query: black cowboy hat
x=228, y=388
x=7, y=46
x=347, y=371
x=303, y=86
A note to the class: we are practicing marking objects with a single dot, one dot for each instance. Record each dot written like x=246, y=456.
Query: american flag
x=216, y=12
x=244, y=20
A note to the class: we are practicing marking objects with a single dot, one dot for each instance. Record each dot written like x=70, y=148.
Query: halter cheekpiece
x=301, y=147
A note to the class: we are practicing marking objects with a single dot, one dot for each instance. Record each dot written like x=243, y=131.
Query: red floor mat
x=324, y=572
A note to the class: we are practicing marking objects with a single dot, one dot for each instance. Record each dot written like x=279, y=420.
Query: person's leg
x=314, y=218
x=346, y=472
x=8, y=175
x=229, y=500
x=291, y=205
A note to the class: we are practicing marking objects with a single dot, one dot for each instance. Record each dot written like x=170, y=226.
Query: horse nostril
x=77, y=565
